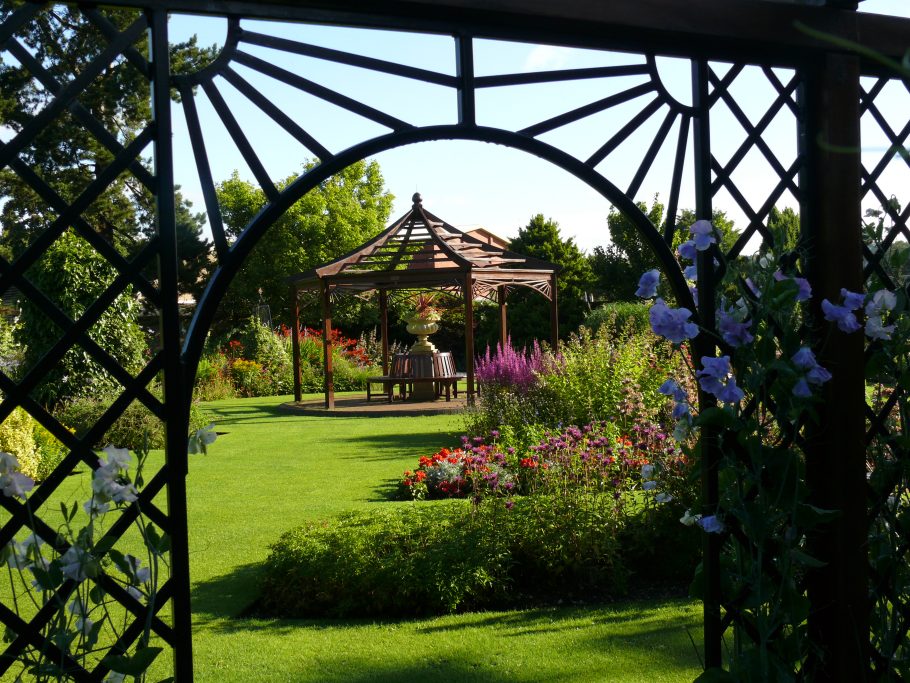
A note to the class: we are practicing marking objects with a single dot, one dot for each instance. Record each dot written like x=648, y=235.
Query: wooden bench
x=445, y=376
x=399, y=374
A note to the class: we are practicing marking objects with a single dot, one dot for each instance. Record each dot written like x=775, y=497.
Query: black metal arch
x=227, y=270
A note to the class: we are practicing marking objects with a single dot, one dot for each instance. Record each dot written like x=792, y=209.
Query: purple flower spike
x=702, y=234
x=647, y=285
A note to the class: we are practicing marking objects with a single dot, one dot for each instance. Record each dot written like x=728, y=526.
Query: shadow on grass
x=228, y=595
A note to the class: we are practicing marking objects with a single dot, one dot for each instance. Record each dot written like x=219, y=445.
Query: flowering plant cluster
x=596, y=458
x=514, y=369
x=91, y=589
x=311, y=345
x=761, y=386
x=422, y=307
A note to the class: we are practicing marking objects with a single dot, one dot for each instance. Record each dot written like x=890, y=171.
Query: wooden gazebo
x=420, y=251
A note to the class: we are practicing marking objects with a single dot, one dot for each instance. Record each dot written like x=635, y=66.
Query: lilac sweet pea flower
x=702, y=234
x=715, y=378
x=735, y=333
x=852, y=300
x=691, y=273
x=804, y=359
x=842, y=315
x=671, y=388
x=803, y=288
x=647, y=285
x=687, y=250
x=672, y=323
x=801, y=389
x=711, y=524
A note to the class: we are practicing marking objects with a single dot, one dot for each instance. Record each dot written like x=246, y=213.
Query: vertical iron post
x=836, y=456
x=384, y=328
x=176, y=394
x=503, y=315
x=469, y=332
x=703, y=346
x=295, y=342
x=325, y=298
x=464, y=66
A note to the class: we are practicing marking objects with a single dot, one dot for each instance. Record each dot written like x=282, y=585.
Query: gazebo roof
x=420, y=250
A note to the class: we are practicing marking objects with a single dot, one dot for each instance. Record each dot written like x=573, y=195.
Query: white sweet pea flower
x=140, y=573
x=647, y=471
x=73, y=563
x=8, y=463
x=689, y=519
x=201, y=439
x=16, y=484
x=84, y=626
x=876, y=330
x=663, y=497
x=118, y=458
x=882, y=300
x=95, y=508
x=649, y=485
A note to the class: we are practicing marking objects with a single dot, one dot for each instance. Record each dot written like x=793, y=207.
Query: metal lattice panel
x=885, y=174
x=679, y=136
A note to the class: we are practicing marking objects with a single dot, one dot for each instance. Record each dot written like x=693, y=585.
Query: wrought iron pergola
x=422, y=251
x=822, y=90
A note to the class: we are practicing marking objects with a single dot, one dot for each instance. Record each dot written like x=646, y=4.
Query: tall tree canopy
x=330, y=220
x=529, y=313
x=618, y=267
x=67, y=154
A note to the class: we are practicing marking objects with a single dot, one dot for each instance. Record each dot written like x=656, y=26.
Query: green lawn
x=270, y=471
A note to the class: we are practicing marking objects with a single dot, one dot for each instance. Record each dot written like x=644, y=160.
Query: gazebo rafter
x=422, y=251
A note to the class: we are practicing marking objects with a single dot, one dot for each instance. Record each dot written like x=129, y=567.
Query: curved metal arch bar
x=218, y=284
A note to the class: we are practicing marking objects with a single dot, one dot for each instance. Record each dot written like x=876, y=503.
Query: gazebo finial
x=417, y=199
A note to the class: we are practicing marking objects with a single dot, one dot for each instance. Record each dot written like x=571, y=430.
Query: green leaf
x=805, y=559
x=809, y=516
x=132, y=666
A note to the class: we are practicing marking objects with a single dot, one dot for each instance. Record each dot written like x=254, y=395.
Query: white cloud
x=546, y=57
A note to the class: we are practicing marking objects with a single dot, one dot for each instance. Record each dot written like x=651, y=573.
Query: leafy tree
x=529, y=313
x=332, y=219
x=73, y=275
x=618, y=267
x=66, y=154
x=784, y=226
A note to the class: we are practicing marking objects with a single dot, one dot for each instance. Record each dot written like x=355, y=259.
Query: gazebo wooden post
x=295, y=341
x=327, y=344
x=384, y=328
x=554, y=314
x=503, y=314
x=469, y=332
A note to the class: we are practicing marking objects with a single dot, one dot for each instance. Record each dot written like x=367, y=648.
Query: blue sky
x=475, y=184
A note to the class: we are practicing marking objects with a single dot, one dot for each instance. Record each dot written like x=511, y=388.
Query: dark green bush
x=436, y=558
x=620, y=317
x=130, y=429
